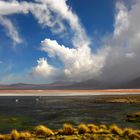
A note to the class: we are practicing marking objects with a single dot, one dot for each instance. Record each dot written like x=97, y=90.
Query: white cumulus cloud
x=79, y=63
x=44, y=69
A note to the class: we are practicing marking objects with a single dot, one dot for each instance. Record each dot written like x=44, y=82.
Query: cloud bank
x=122, y=61
x=117, y=59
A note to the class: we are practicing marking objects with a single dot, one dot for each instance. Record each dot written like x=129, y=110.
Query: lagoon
x=25, y=112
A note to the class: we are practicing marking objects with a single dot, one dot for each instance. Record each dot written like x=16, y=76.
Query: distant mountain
x=88, y=84
x=133, y=84
x=24, y=86
x=94, y=84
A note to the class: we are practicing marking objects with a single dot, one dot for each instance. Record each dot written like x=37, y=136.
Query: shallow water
x=54, y=111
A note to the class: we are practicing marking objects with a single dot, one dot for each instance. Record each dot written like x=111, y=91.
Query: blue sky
x=95, y=15
x=91, y=23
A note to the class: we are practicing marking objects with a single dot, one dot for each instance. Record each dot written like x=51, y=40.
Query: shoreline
x=64, y=94
x=69, y=92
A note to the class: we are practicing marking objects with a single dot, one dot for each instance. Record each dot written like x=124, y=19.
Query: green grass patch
x=135, y=117
x=15, y=122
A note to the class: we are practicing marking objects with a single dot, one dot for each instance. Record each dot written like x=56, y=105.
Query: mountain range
x=88, y=84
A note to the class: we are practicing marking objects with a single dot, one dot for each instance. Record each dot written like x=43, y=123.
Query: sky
x=42, y=41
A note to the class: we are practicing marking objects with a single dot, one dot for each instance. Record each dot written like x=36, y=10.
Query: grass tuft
x=93, y=128
x=127, y=131
x=68, y=129
x=116, y=130
x=15, y=135
x=1, y=137
x=134, y=136
x=43, y=131
x=82, y=129
x=103, y=126
x=25, y=135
